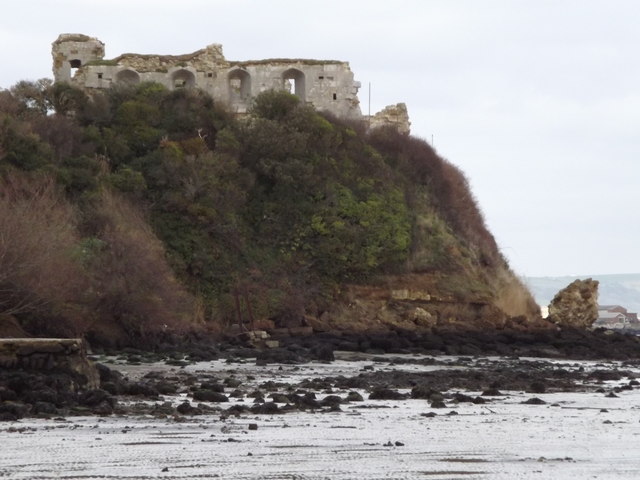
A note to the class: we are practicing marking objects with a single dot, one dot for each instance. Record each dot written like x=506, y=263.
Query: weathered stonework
x=48, y=354
x=328, y=85
x=71, y=51
x=394, y=115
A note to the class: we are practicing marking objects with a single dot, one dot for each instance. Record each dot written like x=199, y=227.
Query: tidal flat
x=365, y=417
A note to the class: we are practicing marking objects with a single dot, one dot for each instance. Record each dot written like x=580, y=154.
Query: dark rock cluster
x=573, y=343
x=52, y=393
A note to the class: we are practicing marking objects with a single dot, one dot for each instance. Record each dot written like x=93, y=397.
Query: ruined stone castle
x=328, y=85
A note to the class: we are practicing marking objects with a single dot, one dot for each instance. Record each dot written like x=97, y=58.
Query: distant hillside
x=622, y=289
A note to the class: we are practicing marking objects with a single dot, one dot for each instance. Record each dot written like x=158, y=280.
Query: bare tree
x=137, y=289
x=37, y=242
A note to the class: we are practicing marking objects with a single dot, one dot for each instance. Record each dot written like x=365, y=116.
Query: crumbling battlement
x=328, y=85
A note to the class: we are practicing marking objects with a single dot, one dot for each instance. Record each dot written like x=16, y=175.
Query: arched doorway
x=128, y=77
x=183, y=79
x=74, y=65
x=293, y=82
x=239, y=86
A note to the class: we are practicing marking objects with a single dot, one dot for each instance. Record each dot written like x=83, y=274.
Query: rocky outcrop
x=575, y=306
x=48, y=354
x=423, y=302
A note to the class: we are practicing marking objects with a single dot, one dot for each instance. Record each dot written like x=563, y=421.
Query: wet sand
x=582, y=431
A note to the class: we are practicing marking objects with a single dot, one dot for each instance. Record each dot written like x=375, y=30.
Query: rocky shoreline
x=468, y=364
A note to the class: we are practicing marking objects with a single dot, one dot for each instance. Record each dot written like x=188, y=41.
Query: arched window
x=74, y=65
x=183, y=79
x=239, y=86
x=293, y=81
x=129, y=77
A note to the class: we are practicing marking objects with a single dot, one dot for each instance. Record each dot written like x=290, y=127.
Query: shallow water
x=570, y=437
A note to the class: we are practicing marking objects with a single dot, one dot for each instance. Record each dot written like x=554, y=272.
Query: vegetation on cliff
x=133, y=213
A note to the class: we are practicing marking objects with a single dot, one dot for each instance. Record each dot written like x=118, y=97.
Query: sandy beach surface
x=585, y=434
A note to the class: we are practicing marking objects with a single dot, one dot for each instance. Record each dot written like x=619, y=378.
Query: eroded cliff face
x=423, y=302
x=454, y=276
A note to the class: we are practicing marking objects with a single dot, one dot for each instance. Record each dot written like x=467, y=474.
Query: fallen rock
x=141, y=389
x=575, y=306
x=354, y=397
x=93, y=398
x=209, y=396
x=265, y=408
x=386, y=394
x=331, y=401
x=492, y=392
x=424, y=392
x=279, y=398
x=213, y=386
x=537, y=387
x=185, y=408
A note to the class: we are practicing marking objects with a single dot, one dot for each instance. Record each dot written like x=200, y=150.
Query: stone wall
x=71, y=51
x=48, y=354
x=328, y=85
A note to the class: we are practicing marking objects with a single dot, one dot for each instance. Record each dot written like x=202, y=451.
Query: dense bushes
x=182, y=213
x=437, y=185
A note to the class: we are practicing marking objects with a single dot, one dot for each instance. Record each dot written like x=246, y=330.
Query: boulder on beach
x=575, y=306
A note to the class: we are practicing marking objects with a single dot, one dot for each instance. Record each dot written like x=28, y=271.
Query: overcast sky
x=538, y=101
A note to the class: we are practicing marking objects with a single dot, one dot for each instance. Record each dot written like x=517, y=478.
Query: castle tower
x=71, y=51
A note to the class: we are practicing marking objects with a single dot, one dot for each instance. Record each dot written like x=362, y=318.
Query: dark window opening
x=99, y=75
x=335, y=96
x=210, y=75
x=183, y=79
x=75, y=65
x=321, y=77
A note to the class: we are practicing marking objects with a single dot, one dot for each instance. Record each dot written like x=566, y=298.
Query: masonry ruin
x=328, y=85
x=68, y=354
